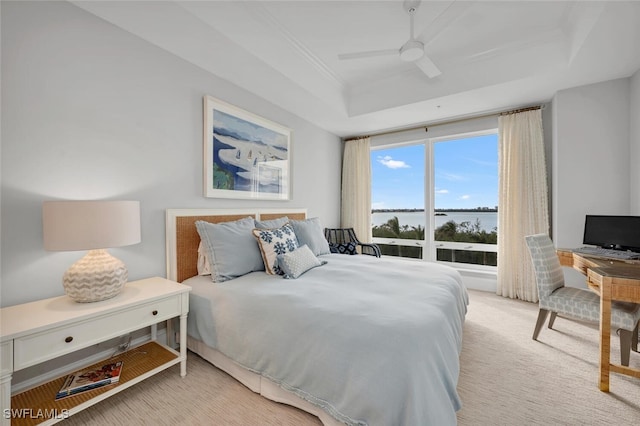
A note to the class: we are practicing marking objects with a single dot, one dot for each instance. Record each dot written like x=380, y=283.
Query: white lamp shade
x=87, y=225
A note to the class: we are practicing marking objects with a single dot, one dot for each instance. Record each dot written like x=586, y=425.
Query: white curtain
x=523, y=201
x=356, y=188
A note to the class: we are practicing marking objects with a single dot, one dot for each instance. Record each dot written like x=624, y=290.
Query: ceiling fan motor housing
x=411, y=51
x=410, y=6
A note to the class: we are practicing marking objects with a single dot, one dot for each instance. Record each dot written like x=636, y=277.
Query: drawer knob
x=68, y=339
x=155, y=312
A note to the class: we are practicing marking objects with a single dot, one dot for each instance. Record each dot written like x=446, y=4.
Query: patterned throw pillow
x=297, y=262
x=273, y=242
x=344, y=248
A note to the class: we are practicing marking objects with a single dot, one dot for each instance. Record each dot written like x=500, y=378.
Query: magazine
x=82, y=381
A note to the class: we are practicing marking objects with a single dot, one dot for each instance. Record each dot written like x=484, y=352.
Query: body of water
x=488, y=220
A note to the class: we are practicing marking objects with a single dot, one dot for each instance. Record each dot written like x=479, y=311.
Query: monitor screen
x=613, y=232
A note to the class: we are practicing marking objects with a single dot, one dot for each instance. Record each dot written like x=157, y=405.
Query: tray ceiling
x=492, y=55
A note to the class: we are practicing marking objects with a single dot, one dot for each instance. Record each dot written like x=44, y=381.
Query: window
x=397, y=196
x=437, y=199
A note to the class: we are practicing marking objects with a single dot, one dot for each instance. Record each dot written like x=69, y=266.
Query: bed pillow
x=273, y=242
x=309, y=232
x=297, y=262
x=270, y=224
x=230, y=248
x=203, y=262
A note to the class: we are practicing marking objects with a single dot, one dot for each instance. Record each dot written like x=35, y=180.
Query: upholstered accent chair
x=344, y=241
x=577, y=303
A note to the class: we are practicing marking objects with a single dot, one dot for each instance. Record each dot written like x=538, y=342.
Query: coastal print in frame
x=245, y=156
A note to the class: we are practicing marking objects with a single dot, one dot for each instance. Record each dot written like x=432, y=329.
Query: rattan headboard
x=182, y=238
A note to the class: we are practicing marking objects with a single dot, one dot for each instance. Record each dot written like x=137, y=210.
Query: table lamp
x=93, y=226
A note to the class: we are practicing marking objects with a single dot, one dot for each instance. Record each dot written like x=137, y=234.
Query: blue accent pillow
x=273, y=242
x=230, y=248
x=297, y=262
x=309, y=232
x=273, y=223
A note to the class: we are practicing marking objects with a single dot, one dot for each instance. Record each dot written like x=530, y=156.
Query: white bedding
x=369, y=340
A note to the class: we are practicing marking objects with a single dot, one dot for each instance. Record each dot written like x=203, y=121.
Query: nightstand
x=39, y=331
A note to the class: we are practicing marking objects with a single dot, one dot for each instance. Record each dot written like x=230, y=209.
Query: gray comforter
x=372, y=341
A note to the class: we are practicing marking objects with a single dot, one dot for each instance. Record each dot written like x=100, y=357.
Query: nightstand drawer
x=36, y=348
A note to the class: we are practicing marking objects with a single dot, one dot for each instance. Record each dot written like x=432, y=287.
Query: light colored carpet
x=509, y=379
x=506, y=379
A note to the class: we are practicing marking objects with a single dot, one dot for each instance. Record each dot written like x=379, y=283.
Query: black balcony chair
x=344, y=241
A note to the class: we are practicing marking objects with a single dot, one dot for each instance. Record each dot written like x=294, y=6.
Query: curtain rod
x=516, y=111
x=442, y=123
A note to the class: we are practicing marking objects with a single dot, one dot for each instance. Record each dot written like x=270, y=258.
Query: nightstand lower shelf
x=38, y=403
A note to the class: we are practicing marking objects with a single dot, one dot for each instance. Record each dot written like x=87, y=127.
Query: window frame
x=429, y=244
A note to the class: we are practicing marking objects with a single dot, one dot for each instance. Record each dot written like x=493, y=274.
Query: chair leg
x=634, y=338
x=625, y=346
x=542, y=316
x=552, y=319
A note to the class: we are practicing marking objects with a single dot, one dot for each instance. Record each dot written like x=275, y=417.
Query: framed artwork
x=245, y=156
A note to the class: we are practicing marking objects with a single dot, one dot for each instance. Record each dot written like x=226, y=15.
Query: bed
x=358, y=340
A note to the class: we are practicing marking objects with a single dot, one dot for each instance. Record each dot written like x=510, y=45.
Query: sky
x=465, y=170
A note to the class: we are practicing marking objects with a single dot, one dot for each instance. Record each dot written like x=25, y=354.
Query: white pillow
x=297, y=262
x=203, y=262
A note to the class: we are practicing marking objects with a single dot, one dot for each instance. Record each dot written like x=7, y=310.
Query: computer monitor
x=613, y=232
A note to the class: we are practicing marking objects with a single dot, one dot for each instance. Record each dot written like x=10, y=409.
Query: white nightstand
x=36, y=332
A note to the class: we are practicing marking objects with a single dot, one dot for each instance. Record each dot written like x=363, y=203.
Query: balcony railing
x=446, y=251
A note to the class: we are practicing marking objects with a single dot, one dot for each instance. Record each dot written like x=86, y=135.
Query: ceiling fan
x=411, y=51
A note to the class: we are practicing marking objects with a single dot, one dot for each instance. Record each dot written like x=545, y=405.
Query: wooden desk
x=612, y=280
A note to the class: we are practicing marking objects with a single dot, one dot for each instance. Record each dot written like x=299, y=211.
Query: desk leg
x=605, y=333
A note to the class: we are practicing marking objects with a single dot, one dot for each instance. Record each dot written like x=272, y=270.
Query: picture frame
x=245, y=156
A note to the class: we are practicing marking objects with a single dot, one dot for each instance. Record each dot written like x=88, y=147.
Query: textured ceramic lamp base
x=97, y=276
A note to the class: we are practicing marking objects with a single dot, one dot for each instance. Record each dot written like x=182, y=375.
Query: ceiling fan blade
x=428, y=67
x=368, y=54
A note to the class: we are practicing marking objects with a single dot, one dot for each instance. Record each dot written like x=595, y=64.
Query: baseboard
x=479, y=280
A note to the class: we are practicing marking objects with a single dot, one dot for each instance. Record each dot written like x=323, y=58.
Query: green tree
x=450, y=231
x=393, y=229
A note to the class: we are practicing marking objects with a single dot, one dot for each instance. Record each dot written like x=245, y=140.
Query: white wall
x=591, y=157
x=93, y=112
x=634, y=158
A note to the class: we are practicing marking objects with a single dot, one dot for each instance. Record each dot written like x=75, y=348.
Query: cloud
x=442, y=191
x=465, y=197
x=453, y=177
x=378, y=205
x=391, y=163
